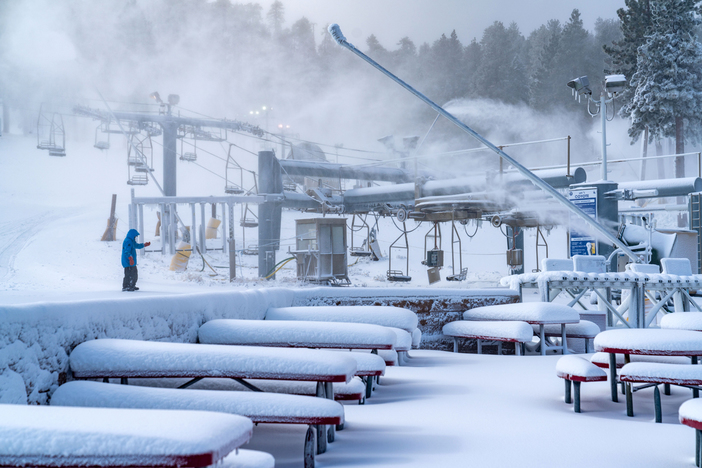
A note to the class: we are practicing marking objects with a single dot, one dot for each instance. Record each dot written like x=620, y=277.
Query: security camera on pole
x=592, y=197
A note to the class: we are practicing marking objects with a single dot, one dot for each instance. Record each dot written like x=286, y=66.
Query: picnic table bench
x=304, y=334
x=516, y=332
x=576, y=370
x=683, y=321
x=386, y=316
x=690, y=414
x=648, y=342
x=534, y=313
x=124, y=359
x=47, y=436
x=653, y=374
x=259, y=407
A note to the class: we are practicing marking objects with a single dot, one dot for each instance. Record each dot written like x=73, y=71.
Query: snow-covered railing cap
x=336, y=33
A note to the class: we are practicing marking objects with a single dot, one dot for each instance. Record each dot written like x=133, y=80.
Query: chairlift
x=127, y=128
x=216, y=134
x=190, y=156
x=138, y=179
x=433, y=258
x=462, y=272
x=140, y=152
x=248, y=222
x=101, y=144
x=252, y=249
x=398, y=275
x=364, y=250
x=51, y=134
x=230, y=186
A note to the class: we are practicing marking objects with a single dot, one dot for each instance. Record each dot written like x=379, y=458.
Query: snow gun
x=340, y=39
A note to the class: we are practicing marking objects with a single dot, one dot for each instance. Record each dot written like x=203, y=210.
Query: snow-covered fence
x=35, y=339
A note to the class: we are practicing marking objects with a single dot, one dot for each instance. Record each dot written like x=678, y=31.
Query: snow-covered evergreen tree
x=668, y=77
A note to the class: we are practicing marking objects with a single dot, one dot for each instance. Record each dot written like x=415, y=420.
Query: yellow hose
x=281, y=266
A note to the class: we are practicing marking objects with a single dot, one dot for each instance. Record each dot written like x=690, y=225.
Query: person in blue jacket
x=129, y=260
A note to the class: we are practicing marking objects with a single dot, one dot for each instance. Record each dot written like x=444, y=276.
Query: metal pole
x=341, y=40
x=603, y=120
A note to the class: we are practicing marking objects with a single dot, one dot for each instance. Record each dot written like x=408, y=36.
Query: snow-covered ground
x=442, y=409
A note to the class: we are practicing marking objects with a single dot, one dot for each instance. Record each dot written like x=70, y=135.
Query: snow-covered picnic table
x=535, y=313
x=46, y=436
x=113, y=358
x=683, y=321
x=650, y=342
x=386, y=316
x=294, y=334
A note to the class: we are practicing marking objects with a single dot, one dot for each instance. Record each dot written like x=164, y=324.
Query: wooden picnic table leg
x=576, y=392
x=613, y=376
x=568, y=399
x=563, y=339
x=309, y=448
x=657, y=404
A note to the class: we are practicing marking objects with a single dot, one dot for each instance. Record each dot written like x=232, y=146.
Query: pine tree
x=276, y=17
x=635, y=21
x=668, y=77
x=502, y=74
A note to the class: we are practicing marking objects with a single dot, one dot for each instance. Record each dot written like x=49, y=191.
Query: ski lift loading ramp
x=340, y=39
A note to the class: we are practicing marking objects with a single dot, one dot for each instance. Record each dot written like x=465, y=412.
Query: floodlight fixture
x=580, y=86
x=156, y=96
x=388, y=142
x=173, y=99
x=615, y=84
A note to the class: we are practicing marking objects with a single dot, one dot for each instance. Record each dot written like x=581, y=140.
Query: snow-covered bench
x=386, y=316
x=534, y=313
x=124, y=359
x=602, y=359
x=576, y=369
x=516, y=332
x=653, y=374
x=47, y=436
x=683, y=321
x=302, y=334
x=690, y=414
x=259, y=407
x=584, y=330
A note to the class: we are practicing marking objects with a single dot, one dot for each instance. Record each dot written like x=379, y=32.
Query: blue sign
x=580, y=233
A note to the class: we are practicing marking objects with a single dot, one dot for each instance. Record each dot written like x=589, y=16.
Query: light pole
x=613, y=85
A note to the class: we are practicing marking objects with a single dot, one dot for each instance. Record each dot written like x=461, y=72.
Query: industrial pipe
x=339, y=38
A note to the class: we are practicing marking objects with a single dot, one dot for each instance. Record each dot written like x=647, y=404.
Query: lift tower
x=170, y=124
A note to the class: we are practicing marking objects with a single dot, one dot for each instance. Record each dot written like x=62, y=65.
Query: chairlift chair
x=230, y=186
x=51, y=134
x=398, y=275
x=190, y=156
x=101, y=144
x=364, y=250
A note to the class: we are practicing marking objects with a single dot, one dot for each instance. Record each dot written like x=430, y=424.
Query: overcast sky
x=426, y=20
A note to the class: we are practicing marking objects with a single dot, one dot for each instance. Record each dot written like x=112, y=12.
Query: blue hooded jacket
x=129, y=247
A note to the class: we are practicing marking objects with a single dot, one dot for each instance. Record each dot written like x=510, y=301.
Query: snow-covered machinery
x=321, y=250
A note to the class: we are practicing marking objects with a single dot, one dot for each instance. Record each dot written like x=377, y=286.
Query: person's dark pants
x=130, y=277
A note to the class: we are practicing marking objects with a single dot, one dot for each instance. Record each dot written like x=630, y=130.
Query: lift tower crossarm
x=170, y=124
x=339, y=38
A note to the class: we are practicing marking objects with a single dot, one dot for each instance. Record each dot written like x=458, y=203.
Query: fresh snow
x=261, y=407
x=153, y=359
x=96, y=433
x=670, y=372
x=531, y=312
x=569, y=366
x=651, y=341
x=513, y=330
x=379, y=315
x=292, y=333
x=683, y=321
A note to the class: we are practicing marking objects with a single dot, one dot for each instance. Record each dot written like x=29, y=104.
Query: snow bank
x=35, y=339
x=98, y=433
